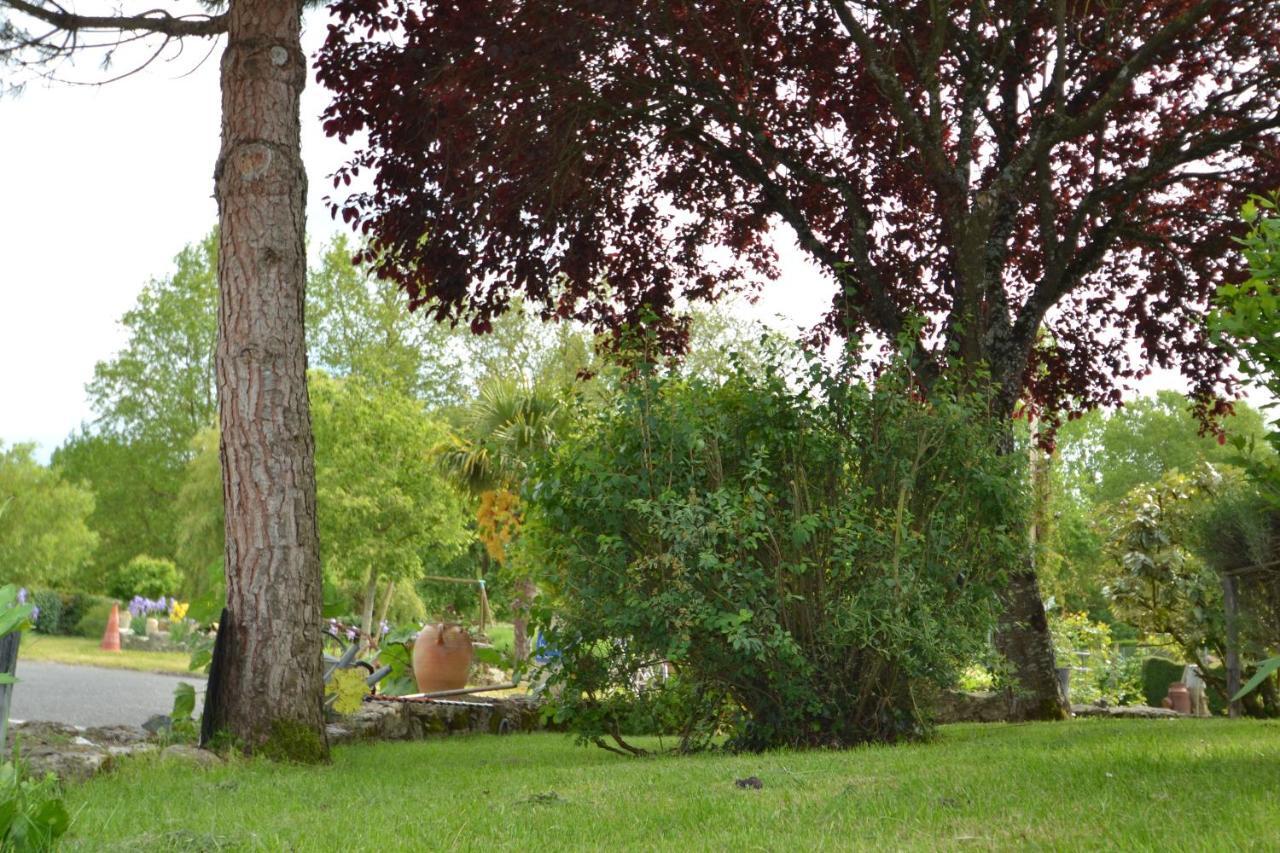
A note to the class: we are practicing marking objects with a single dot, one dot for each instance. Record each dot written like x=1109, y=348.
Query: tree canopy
x=385, y=508
x=149, y=402
x=1107, y=463
x=44, y=537
x=1105, y=455
x=998, y=169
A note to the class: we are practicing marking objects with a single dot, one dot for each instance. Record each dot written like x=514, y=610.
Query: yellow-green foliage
x=349, y=690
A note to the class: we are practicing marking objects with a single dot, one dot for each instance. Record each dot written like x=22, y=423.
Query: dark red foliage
x=1045, y=182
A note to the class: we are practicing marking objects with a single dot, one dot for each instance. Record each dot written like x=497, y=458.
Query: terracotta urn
x=442, y=657
x=1180, y=697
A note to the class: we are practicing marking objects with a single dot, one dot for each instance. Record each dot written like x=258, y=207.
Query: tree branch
x=153, y=21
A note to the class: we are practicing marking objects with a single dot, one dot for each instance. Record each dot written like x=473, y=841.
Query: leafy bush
x=49, y=611
x=808, y=551
x=145, y=576
x=1098, y=669
x=74, y=607
x=32, y=814
x=1174, y=538
x=93, y=621
x=1157, y=674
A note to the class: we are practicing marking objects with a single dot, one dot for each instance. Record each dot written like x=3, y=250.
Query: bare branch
x=152, y=21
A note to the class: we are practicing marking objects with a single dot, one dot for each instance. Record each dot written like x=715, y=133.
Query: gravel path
x=89, y=696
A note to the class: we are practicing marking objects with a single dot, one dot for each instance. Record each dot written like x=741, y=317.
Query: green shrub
x=1099, y=669
x=74, y=607
x=146, y=576
x=810, y=553
x=1157, y=674
x=93, y=619
x=49, y=618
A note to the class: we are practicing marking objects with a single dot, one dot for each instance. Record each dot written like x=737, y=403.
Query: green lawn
x=502, y=635
x=1085, y=785
x=83, y=651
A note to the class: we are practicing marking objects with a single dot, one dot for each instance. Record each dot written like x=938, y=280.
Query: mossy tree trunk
x=273, y=681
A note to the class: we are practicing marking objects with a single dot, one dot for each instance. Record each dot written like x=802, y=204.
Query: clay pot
x=442, y=658
x=1180, y=697
x=126, y=619
x=153, y=626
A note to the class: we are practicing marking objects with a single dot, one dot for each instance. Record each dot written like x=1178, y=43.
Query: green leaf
x=15, y=618
x=200, y=660
x=184, y=701
x=1265, y=669
x=51, y=818
x=7, y=679
x=1249, y=212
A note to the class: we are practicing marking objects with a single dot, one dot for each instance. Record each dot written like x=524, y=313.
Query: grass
x=83, y=651
x=502, y=636
x=1107, y=784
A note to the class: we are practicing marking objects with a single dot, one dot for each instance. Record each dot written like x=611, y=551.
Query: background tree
x=133, y=487
x=387, y=514
x=160, y=388
x=998, y=169
x=358, y=325
x=1098, y=462
x=1247, y=318
x=1171, y=543
x=44, y=533
x=149, y=401
x=1104, y=455
x=507, y=426
x=200, y=527
x=272, y=677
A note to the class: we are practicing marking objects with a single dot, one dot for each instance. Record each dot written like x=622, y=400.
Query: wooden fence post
x=8, y=666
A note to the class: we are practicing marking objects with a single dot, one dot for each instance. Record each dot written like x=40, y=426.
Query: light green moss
x=295, y=743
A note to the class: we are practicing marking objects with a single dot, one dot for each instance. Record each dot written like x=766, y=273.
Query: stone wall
x=388, y=719
x=75, y=753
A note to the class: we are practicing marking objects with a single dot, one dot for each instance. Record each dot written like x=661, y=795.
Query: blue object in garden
x=542, y=652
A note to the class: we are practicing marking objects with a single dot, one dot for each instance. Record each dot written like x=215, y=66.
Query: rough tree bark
x=1023, y=638
x=1022, y=634
x=273, y=675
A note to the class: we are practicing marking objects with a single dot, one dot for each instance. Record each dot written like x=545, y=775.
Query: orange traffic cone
x=111, y=636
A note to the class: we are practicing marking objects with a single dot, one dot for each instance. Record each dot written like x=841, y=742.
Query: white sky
x=100, y=186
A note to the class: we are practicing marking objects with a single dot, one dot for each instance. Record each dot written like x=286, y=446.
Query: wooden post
x=8, y=666
x=1233, y=643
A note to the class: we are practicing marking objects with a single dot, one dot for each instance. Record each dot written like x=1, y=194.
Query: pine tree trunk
x=274, y=691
